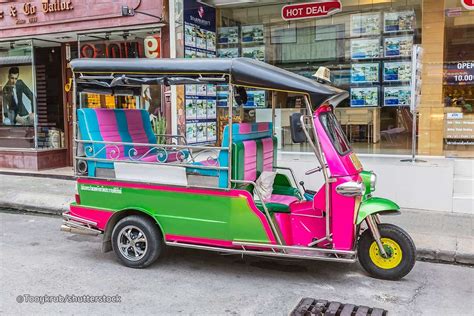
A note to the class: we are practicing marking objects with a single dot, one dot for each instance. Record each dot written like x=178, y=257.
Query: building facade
x=37, y=41
x=400, y=103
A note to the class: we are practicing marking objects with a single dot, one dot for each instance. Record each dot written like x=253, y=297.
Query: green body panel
x=182, y=213
x=375, y=205
x=365, y=175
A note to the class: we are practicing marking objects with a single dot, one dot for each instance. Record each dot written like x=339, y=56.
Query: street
x=37, y=259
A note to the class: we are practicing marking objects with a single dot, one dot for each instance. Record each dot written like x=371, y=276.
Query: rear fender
x=375, y=205
x=106, y=239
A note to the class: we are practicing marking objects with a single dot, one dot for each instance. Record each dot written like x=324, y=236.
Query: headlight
x=373, y=181
x=351, y=188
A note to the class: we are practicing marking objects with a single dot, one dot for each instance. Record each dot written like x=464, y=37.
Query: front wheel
x=399, y=247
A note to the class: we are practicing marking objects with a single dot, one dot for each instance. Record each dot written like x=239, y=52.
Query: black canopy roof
x=244, y=71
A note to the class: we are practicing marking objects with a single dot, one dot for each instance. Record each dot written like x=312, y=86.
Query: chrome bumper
x=77, y=225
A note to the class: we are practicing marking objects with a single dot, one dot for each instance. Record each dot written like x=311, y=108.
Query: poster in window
x=201, y=89
x=397, y=96
x=211, y=109
x=228, y=52
x=191, y=89
x=201, y=134
x=211, y=90
x=365, y=48
x=190, y=109
x=189, y=35
x=365, y=73
x=211, y=131
x=210, y=41
x=397, y=71
x=255, y=52
x=201, y=38
x=201, y=109
x=191, y=132
x=361, y=97
x=283, y=34
x=403, y=21
x=190, y=53
x=256, y=98
x=228, y=35
x=252, y=34
x=400, y=46
x=365, y=24
x=17, y=108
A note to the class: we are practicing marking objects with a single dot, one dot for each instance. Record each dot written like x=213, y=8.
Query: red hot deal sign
x=311, y=10
x=468, y=4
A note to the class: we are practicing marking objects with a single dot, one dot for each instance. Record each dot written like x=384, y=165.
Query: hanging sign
x=310, y=10
x=468, y=4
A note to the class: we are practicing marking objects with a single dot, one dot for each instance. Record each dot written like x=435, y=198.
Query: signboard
x=468, y=4
x=461, y=73
x=200, y=99
x=459, y=126
x=416, y=72
x=310, y=10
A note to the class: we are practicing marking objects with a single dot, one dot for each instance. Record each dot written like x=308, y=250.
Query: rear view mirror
x=297, y=132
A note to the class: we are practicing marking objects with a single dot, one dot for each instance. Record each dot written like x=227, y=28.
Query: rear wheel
x=137, y=241
x=399, y=247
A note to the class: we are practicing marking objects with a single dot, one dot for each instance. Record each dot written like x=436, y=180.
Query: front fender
x=375, y=205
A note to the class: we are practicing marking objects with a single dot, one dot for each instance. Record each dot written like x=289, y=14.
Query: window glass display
x=367, y=48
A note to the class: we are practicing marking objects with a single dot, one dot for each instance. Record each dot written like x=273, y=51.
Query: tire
x=143, y=238
x=397, y=243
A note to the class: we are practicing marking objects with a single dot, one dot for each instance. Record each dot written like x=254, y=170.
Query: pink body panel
x=250, y=160
x=339, y=165
x=143, y=186
x=245, y=128
x=267, y=144
x=306, y=223
x=98, y=216
x=263, y=126
x=109, y=132
x=342, y=218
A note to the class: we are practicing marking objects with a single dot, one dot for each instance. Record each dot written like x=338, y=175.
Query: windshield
x=335, y=133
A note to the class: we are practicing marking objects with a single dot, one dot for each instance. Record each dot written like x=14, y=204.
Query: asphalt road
x=37, y=259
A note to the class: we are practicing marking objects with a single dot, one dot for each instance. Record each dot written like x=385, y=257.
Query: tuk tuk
x=142, y=196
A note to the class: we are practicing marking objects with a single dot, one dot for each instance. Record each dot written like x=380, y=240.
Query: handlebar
x=311, y=171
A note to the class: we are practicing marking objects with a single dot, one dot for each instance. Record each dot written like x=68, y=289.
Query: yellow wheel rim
x=393, y=250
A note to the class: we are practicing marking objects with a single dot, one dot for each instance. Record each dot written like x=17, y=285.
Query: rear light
x=78, y=198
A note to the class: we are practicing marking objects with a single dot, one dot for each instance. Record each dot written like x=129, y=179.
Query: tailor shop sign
x=26, y=12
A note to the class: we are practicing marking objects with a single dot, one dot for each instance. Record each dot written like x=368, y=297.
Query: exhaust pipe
x=84, y=231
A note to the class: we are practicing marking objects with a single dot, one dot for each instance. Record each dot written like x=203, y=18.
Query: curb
x=422, y=254
x=38, y=175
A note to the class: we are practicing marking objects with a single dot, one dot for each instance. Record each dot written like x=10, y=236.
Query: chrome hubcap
x=132, y=243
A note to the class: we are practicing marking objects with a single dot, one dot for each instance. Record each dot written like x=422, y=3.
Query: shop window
x=144, y=43
x=367, y=46
x=18, y=90
x=458, y=82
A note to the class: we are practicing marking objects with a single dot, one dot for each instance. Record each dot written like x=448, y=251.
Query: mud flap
x=311, y=306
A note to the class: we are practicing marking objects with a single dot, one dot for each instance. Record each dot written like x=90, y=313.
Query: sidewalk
x=439, y=236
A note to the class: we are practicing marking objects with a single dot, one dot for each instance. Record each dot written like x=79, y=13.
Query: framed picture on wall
x=365, y=24
x=365, y=48
x=253, y=34
x=283, y=34
x=402, y=21
x=397, y=96
x=397, y=71
x=227, y=52
x=400, y=46
x=365, y=73
x=361, y=97
x=255, y=52
x=228, y=35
